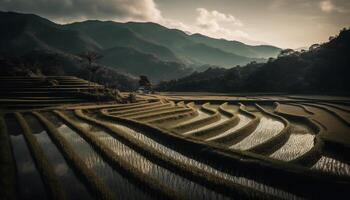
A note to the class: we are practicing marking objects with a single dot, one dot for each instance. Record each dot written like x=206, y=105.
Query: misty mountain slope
x=111, y=34
x=26, y=32
x=238, y=48
x=213, y=56
x=138, y=63
x=186, y=48
x=323, y=69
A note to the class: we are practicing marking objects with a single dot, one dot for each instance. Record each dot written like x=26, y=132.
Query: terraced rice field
x=169, y=146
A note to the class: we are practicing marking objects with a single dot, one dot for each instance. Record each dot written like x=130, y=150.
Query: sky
x=283, y=23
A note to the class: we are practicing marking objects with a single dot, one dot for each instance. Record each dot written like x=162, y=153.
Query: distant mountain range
x=136, y=48
x=323, y=69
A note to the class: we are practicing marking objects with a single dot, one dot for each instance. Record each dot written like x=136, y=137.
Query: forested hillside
x=323, y=68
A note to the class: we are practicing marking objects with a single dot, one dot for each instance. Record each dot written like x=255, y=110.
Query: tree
x=145, y=83
x=286, y=52
x=314, y=47
x=91, y=57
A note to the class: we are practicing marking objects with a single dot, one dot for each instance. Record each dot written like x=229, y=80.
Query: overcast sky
x=284, y=23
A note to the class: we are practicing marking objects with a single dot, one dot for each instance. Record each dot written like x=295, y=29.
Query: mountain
x=135, y=62
x=238, y=48
x=26, y=33
x=111, y=34
x=136, y=48
x=179, y=42
x=173, y=44
x=204, y=54
x=322, y=69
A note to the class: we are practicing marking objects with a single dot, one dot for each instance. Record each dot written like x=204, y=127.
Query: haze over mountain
x=135, y=48
x=322, y=69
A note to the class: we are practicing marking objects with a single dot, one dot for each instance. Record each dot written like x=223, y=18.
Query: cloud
x=72, y=10
x=215, y=24
x=211, y=19
x=328, y=6
x=211, y=23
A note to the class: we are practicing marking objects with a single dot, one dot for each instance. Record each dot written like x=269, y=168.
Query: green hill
x=112, y=34
x=136, y=48
x=138, y=63
x=27, y=32
x=188, y=49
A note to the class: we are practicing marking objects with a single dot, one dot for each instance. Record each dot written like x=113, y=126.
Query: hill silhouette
x=165, y=53
x=322, y=69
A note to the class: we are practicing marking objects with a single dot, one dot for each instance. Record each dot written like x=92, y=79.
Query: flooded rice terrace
x=120, y=149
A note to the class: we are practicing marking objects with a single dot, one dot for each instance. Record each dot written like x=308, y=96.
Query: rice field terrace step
x=205, y=116
x=134, y=106
x=227, y=121
x=247, y=124
x=168, y=155
x=68, y=144
x=336, y=130
x=139, y=147
x=269, y=140
x=171, y=120
x=5, y=85
x=230, y=120
x=149, y=112
x=161, y=114
x=294, y=109
x=122, y=157
x=93, y=106
x=160, y=149
x=338, y=106
x=317, y=157
x=145, y=108
x=46, y=168
x=158, y=134
x=48, y=89
x=304, y=145
x=29, y=183
x=341, y=114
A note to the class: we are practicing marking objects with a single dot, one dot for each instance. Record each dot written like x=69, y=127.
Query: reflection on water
x=30, y=185
x=204, y=167
x=72, y=186
x=332, y=165
x=300, y=142
x=29, y=181
x=266, y=129
x=178, y=183
x=114, y=180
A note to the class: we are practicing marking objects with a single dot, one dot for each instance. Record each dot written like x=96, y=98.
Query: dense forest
x=324, y=68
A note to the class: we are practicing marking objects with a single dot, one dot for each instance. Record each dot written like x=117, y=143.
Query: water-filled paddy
x=299, y=142
x=208, y=169
x=69, y=181
x=98, y=165
x=30, y=183
x=267, y=128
